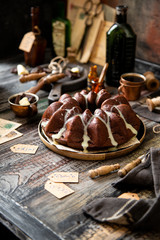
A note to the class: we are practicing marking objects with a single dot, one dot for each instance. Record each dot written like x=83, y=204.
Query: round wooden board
x=94, y=156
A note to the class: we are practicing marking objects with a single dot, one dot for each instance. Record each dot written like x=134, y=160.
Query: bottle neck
x=60, y=11
x=121, y=14
x=35, y=17
x=121, y=18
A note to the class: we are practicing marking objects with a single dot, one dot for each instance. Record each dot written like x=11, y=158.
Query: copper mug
x=131, y=85
x=23, y=111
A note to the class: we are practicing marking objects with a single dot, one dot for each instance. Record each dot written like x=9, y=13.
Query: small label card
x=12, y=135
x=24, y=148
x=27, y=42
x=64, y=177
x=59, y=190
x=7, y=126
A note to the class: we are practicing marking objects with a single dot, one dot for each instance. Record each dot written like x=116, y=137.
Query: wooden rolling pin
x=103, y=170
x=152, y=103
x=46, y=80
x=122, y=172
x=31, y=76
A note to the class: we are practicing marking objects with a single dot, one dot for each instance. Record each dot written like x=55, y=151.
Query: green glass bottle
x=121, y=46
x=61, y=31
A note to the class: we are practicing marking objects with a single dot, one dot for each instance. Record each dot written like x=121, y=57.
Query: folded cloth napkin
x=143, y=111
x=143, y=214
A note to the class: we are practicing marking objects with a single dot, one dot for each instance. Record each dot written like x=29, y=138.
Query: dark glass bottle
x=36, y=55
x=61, y=31
x=121, y=46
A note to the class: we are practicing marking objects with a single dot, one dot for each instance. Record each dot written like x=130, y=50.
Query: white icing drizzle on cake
x=107, y=124
x=61, y=131
x=86, y=138
x=97, y=97
x=85, y=98
x=128, y=126
x=44, y=123
x=59, y=134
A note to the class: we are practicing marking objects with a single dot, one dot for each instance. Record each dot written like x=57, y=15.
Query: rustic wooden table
x=30, y=211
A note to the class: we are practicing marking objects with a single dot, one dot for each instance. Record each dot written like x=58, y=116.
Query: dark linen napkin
x=138, y=214
x=143, y=111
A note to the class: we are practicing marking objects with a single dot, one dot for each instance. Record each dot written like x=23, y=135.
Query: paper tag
x=12, y=135
x=64, y=177
x=27, y=42
x=7, y=126
x=129, y=195
x=59, y=190
x=24, y=148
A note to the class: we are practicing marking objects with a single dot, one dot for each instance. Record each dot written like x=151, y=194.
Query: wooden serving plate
x=94, y=156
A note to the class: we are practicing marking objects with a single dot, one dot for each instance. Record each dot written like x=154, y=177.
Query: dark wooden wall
x=143, y=16
x=15, y=21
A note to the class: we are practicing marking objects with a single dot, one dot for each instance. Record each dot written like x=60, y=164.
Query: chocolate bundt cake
x=90, y=121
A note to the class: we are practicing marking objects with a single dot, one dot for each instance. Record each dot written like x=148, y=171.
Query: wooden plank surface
x=31, y=211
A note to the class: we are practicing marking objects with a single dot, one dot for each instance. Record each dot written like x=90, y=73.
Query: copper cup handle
x=120, y=89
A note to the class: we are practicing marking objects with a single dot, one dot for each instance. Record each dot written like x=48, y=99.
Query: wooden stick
x=101, y=78
x=102, y=75
x=122, y=172
x=152, y=103
x=35, y=89
x=103, y=170
x=53, y=78
x=46, y=80
x=31, y=77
